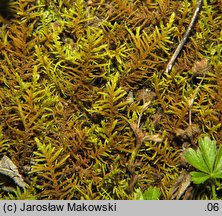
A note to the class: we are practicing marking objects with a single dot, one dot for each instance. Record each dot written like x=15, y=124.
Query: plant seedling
x=207, y=160
x=151, y=193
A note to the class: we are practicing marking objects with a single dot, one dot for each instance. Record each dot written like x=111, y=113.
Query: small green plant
x=208, y=161
x=151, y=193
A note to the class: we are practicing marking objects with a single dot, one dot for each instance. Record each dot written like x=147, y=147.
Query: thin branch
x=184, y=39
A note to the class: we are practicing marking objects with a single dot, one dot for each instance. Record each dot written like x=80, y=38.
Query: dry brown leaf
x=181, y=185
x=9, y=174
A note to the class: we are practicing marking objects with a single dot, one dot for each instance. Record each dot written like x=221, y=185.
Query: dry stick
x=184, y=39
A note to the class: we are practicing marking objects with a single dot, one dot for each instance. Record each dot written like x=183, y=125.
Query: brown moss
x=68, y=69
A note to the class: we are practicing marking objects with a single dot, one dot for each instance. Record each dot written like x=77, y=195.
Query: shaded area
x=5, y=10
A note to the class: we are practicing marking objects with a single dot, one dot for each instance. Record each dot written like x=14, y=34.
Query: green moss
x=82, y=92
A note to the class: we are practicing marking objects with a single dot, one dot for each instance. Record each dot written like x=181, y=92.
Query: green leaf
x=152, y=193
x=206, y=159
x=199, y=177
x=195, y=159
x=218, y=162
x=217, y=174
x=208, y=150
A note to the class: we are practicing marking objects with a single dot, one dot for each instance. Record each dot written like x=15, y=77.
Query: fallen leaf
x=9, y=174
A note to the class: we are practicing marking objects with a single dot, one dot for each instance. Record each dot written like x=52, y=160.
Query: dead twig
x=184, y=39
